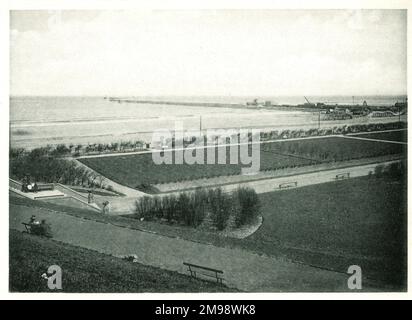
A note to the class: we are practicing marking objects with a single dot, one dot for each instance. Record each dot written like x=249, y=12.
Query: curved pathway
x=244, y=270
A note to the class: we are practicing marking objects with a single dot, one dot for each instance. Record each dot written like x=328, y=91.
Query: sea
x=50, y=120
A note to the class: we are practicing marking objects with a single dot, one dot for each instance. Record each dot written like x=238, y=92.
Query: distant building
x=401, y=104
x=254, y=103
x=357, y=112
x=340, y=111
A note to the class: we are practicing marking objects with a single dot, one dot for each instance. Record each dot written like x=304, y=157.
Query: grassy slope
x=358, y=221
x=332, y=225
x=132, y=170
x=89, y=271
x=336, y=215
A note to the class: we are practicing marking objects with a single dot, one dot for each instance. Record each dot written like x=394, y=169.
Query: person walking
x=105, y=208
x=90, y=197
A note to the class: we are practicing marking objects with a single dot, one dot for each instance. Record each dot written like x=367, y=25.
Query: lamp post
x=319, y=118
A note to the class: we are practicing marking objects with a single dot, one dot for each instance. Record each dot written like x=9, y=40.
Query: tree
x=92, y=178
x=220, y=205
x=60, y=150
x=100, y=180
x=249, y=205
x=379, y=171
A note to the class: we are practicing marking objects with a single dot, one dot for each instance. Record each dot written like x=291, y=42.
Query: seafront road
x=243, y=269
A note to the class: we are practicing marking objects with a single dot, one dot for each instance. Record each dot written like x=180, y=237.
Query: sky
x=226, y=53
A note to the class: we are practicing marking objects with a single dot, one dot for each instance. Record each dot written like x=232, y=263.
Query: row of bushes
x=192, y=209
x=62, y=150
x=288, y=134
x=395, y=170
x=39, y=166
x=111, y=147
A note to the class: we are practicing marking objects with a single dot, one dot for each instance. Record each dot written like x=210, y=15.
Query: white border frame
x=5, y=6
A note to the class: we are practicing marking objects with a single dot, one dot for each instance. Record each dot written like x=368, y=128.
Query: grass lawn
x=333, y=225
x=401, y=136
x=89, y=271
x=135, y=170
x=336, y=149
x=358, y=221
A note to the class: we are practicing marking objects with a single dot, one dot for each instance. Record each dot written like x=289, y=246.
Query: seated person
x=32, y=219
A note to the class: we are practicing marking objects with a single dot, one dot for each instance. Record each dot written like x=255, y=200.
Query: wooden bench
x=45, y=187
x=40, y=187
x=286, y=185
x=38, y=229
x=196, y=270
x=342, y=176
x=27, y=226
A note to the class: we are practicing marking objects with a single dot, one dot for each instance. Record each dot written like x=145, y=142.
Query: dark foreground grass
x=360, y=221
x=89, y=271
x=333, y=225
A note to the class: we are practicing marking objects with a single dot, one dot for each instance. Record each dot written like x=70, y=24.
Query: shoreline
x=30, y=141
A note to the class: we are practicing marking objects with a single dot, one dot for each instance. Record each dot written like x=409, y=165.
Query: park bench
x=27, y=226
x=40, y=187
x=37, y=229
x=45, y=187
x=196, y=271
x=342, y=176
x=286, y=185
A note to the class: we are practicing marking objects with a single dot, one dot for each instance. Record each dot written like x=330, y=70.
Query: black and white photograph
x=227, y=150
